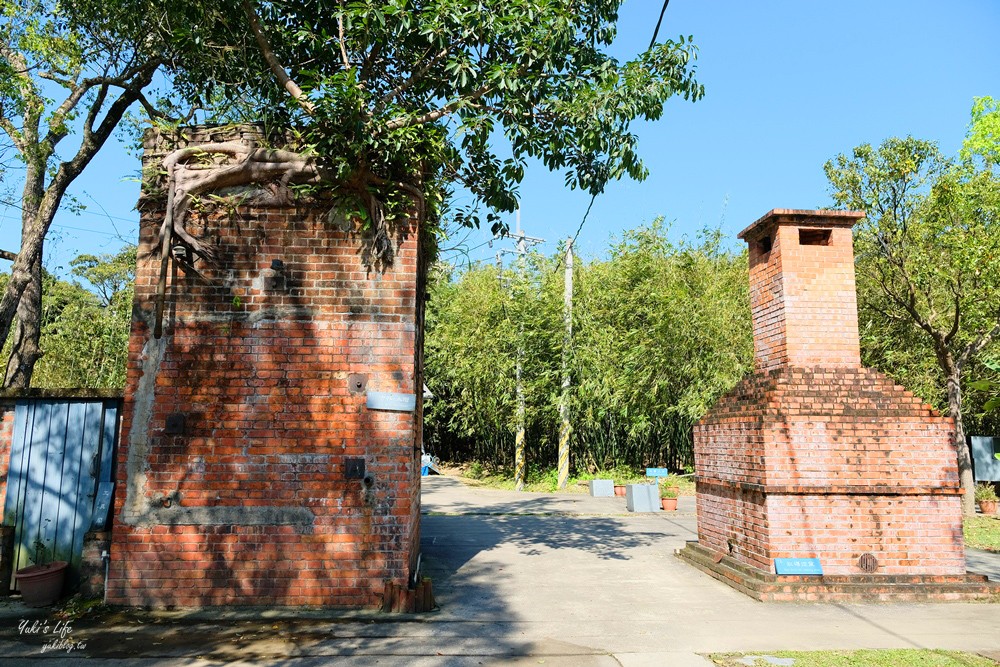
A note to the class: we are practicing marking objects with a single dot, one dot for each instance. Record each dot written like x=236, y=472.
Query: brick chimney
x=813, y=458
x=802, y=291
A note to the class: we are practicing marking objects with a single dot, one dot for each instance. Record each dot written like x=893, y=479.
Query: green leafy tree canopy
x=930, y=244
x=411, y=97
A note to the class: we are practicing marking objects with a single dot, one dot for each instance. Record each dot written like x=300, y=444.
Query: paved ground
x=529, y=579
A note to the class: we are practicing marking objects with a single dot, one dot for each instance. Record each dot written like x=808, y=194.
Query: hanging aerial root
x=196, y=170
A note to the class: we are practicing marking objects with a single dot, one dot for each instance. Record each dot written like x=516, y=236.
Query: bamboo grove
x=661, y=329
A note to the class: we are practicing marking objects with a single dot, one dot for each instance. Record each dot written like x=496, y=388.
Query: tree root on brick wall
x=197, y=170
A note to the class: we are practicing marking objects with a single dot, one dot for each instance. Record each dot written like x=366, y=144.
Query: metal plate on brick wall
x=354, y=468
x=384, y=400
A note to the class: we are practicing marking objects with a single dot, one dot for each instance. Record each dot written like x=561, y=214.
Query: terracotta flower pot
x=41, y=585
x=668, y=504
x=619, y=489
x=988, y=506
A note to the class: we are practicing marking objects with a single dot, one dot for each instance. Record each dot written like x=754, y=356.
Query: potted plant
x=41, y=584
x=670, y=482
x=619, y=489
x=668, y=497
x=986, y=496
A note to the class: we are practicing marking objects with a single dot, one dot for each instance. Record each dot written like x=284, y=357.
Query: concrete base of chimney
x=769, y=587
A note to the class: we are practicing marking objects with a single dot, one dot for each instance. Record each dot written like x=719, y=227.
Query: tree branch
x=151, y=110
x=15, y=135
x=279, y=72
x=58, y=128
x=432, y=116
x=8, y=255
x=93, y=139
x=975, y=347
x=957, y=319
x=340, y=38
x=414, y=78
x=28, y=134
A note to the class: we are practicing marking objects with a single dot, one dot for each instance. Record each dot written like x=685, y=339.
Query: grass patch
x=545, y=480
x=864, y=658
x=982, y=532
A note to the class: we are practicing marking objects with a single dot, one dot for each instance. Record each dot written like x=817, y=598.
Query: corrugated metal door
x=61, y=449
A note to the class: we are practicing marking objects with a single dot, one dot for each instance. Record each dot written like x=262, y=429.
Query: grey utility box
x=642, y=498
x=602, y=488
x=984, y=450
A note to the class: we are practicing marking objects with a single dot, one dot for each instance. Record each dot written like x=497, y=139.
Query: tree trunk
x=40, y=202
x=27, y=332
x=961, y=446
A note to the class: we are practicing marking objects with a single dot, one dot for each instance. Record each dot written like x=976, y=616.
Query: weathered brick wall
x=732, y=520
x=251, y=504
x=854, y=429
x=813, y=455
x=810, y=469
x=908, y=534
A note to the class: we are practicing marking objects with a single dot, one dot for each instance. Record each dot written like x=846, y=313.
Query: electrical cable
x=578, y=229
x=656, y=31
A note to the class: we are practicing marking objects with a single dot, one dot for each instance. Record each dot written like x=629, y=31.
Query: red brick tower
x=814, y=456
x=271, y=437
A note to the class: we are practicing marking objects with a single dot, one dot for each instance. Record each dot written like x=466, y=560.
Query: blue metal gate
x=61, y=450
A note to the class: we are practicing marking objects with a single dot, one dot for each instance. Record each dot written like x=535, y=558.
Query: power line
x=656, y=31
x=579, y=229
x=105, y=214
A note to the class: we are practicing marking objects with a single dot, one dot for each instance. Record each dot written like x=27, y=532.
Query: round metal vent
x=868, y=563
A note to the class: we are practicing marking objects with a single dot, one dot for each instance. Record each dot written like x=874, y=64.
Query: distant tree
x=84, y=333
x=931, y=245
x=57, y=78
x=107, y=274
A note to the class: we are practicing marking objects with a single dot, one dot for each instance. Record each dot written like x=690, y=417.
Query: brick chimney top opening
x=802, y=288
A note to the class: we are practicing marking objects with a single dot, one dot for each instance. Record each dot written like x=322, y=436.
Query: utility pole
x=523, y=243
x=565, y=428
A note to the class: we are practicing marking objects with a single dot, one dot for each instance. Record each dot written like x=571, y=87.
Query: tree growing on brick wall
x=930, y=245
x=58, y=79
x=396, y=103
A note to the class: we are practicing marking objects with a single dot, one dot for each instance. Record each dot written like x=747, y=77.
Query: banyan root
x=190, y=175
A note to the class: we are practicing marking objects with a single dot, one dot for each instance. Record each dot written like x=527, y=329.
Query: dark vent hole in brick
x=868, y=563
x=814, y=237
x=764, y=245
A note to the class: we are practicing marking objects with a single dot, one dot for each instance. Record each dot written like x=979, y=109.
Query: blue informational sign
x=105, y=493
x=657, y=472
x=384, y=400
x=798, y=566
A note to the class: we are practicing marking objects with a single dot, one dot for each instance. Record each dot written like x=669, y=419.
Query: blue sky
x=789, y=84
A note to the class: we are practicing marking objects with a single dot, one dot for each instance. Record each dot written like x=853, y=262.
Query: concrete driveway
x=532, y=568
x=528, y=579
